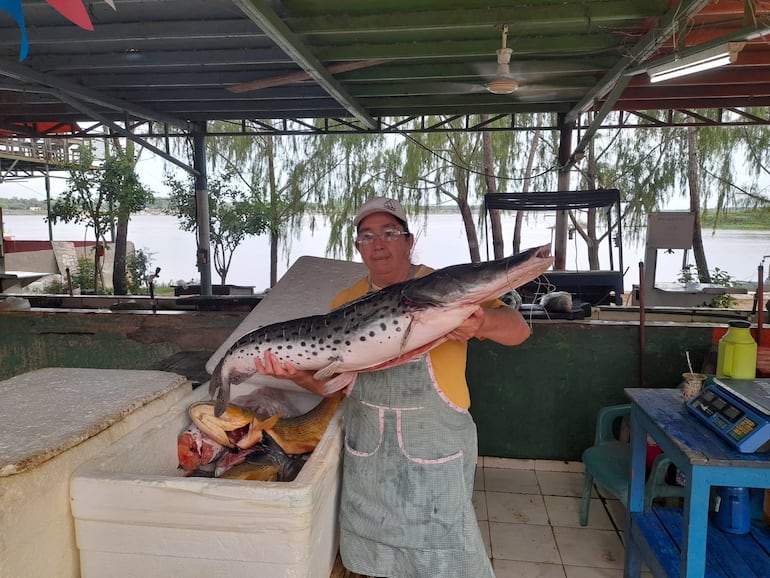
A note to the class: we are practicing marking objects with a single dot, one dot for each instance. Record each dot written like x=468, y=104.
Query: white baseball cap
x=380, y=205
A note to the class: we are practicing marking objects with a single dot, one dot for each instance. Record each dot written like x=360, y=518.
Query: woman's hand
x=274, y=367
x=469, y=328
x=503, y=325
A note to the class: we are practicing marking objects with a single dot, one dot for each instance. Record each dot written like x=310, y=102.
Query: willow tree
x=126, y=195
x=651, y=165
x=101, y=195
x=457, y=167
x=234, y=214
x=289, y=176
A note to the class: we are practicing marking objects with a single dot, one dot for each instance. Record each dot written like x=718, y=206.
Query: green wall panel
x=537, y=400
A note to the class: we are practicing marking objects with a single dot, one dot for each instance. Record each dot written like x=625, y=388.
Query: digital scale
x=738, y=410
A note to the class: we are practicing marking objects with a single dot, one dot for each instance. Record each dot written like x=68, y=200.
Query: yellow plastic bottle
x=737, y=352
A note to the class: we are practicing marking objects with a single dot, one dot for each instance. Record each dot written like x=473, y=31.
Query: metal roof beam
x=61, y=88
x=260, y=13
x=91, y=113
x=615, y=81
x=678, y=16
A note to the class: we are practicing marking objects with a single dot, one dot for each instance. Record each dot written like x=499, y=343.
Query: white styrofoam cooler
x=51, y=421
x=137, y=516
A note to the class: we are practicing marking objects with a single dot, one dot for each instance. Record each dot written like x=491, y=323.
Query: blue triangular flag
x=13, y=7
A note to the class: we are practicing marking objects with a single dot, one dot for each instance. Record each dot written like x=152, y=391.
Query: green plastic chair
x=608, y=463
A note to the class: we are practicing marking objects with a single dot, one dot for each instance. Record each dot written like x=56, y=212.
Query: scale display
x=738, y=410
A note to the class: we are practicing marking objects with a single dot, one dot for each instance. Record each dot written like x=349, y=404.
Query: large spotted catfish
x=381, y=329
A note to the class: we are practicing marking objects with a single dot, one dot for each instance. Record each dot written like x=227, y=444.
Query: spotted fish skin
x=381, y=329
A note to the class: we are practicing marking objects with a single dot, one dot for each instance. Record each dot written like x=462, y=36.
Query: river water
x=440, y=241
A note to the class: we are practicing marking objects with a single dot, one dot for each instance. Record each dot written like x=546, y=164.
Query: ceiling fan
x=503, y=82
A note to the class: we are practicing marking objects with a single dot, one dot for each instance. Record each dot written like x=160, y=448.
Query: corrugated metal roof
x=177, y=61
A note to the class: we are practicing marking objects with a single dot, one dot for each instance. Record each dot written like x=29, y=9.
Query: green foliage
x=57, y=286
x=718, y=277
x=101, y=197
x=19, y=204
x=755, y=219
x=83, y=277
x=137, y=268
x=234, y=215
x=120, y=186
x=686, y=275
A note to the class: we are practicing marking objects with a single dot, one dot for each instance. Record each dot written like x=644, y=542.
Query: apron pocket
x=405, y=503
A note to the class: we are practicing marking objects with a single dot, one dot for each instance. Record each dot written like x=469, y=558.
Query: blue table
x=684, y=542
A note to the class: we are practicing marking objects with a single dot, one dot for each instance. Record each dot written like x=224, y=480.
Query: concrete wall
x=537, y=400
x=102, y=339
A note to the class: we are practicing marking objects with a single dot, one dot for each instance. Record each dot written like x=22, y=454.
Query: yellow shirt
x=447, y=360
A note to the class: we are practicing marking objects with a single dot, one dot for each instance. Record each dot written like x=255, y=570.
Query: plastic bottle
x=737, y=352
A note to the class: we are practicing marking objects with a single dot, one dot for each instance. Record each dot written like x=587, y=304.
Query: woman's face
x=383, y=257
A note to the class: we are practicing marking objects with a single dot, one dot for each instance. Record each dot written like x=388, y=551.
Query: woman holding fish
x=410, y=442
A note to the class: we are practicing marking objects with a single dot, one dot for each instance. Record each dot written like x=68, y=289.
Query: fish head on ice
x=478, y=282
x=236, y=427
x=195, y=450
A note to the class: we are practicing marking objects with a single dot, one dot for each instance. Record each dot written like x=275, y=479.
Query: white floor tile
x=565, y=511
x=484, y=528
x=480, y=505
x=478, y=480
x=559, y=466
x=509, y=463
x=517, y=569
x=591, y=548
x=618, y=513
x=529, y=518
x=583, y=572
x=523, y=542
x=516, y=508
x=510, y=480
x=560, y=483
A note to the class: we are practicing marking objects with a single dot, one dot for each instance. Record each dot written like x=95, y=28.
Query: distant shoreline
x=442, y=211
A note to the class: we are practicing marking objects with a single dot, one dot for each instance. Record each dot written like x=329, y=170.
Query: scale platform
x=738, y=410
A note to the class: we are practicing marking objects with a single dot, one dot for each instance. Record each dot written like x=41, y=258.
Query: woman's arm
x=503, y=325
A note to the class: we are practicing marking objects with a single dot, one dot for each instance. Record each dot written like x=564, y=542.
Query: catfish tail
x=219, y=388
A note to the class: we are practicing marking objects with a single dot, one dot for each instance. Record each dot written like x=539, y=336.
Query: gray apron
x=410, y=460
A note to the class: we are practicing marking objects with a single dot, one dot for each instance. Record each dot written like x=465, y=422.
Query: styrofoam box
x=52, y=420
x=137, y=516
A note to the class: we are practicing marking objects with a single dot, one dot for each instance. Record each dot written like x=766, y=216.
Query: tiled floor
x=528, y=511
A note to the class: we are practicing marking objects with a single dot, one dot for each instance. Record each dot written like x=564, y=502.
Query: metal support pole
x=202, y=216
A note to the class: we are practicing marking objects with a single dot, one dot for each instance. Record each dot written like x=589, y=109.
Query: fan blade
x=300, y=76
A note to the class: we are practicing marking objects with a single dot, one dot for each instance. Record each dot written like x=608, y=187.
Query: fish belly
x=356, y=348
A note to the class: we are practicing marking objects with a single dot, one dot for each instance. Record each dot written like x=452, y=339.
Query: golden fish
x=253, y=472
x=301, y=434
x=237, y=427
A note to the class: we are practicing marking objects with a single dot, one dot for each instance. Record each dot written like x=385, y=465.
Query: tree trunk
x=498, y=248
x=462, y=184
x=694, y=187
x=533, y=145
x=119, y=284
x=591, y=238
x=470, y=231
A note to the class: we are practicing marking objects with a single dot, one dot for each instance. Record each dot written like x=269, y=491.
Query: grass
x=747, y=219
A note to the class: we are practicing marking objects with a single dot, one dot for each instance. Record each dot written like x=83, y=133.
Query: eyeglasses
x=388, y=236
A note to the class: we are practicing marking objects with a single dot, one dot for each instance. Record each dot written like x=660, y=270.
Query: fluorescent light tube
x=696, y=62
